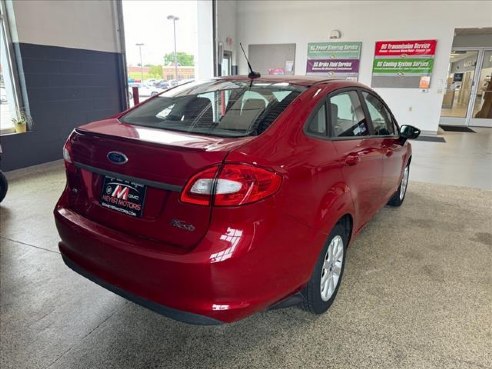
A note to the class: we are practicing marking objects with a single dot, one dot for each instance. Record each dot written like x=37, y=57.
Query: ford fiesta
x=215, y=200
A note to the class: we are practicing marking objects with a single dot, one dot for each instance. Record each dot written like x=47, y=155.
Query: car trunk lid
x=155, y=165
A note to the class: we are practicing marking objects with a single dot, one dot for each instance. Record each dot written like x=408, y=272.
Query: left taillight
x=66, y=153
x=73, y=177
x=231, y=185
x=67, y=149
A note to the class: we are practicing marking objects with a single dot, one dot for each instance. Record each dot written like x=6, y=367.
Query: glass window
x=346, y=115
x=280, y=95
x=9, y=109
x=317, y=124
x=483, y=102
x=380, y=116
x=217, y=108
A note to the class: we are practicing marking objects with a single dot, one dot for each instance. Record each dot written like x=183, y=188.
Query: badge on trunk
x=116, y=157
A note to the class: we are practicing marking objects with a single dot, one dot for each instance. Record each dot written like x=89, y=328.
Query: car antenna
x=252, y=74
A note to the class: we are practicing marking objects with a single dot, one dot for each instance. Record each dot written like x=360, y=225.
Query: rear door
x=360, y=153
x=386, y=133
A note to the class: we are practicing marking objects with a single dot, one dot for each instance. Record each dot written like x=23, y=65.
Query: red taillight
x=66, y=153
x=199, y=188
x=67, y=157
x=73, y=177
x=230, y=185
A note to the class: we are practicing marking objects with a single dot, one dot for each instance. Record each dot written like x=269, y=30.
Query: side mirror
x=409, y=132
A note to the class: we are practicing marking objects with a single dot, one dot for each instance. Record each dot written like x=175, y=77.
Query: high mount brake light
x=230, y=185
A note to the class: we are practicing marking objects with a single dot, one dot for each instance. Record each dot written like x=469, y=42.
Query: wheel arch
x=347, y=221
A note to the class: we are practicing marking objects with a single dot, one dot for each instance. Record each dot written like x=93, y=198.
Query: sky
x=146, y=22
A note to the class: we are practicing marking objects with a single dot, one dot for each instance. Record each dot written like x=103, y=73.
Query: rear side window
x=317, y=124
x=216, y=108
x=346, y=115
x=380, y=116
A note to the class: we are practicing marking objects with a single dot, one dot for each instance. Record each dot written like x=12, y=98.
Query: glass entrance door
x=459, y=85
x=226, y=63
x=482, y=107
x=467, y=96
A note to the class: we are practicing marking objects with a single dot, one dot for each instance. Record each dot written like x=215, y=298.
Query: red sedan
x=215, y=200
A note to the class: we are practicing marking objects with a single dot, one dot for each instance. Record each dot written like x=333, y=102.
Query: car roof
x=306, y=81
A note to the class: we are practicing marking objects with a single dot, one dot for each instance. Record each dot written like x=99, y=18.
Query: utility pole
x=140, y=44
x=174, y=19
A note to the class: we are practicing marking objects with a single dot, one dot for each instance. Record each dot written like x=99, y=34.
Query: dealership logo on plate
x=121, y=192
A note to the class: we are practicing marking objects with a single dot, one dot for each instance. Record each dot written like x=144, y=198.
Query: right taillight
x=231, y=185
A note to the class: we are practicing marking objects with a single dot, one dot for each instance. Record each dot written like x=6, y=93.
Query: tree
x=155, y=71
x=184, y=59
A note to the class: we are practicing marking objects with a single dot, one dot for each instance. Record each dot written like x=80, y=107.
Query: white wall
x=204, y=66
x=264, y=22
x=226, y=26
x=90, y=25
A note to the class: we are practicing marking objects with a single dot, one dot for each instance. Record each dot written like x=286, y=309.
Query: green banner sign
x=334, y=50
x=403, y=66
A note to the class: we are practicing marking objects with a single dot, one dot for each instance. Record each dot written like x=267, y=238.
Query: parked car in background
x=149, y=82
x=219, y=199
x=173, y=82
x=146, y=90
x=164, y=85
x=183, y=81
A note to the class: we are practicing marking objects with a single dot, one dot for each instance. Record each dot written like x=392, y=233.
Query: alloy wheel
x=332, y=268
x=404, y=183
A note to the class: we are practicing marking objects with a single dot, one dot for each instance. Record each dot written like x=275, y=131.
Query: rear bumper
x=226, y=277
x=161, y=309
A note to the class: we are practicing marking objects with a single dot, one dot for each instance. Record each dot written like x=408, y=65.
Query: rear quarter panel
x=312, y=198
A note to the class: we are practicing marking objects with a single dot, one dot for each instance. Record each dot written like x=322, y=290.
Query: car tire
x=399, y=195
x=4, y=186
x=322, y=288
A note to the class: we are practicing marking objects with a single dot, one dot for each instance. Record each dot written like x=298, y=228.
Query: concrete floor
x=464, y=160
x=417, y=290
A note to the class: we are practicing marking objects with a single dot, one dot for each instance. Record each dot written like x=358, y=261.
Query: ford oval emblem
x=117, y=157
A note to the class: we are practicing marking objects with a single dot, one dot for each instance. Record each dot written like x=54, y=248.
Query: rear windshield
x=217, y=108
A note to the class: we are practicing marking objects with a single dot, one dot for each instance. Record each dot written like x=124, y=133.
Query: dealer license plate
x=123, y=196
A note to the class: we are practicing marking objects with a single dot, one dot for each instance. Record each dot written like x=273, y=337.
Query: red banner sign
x=410, y=48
